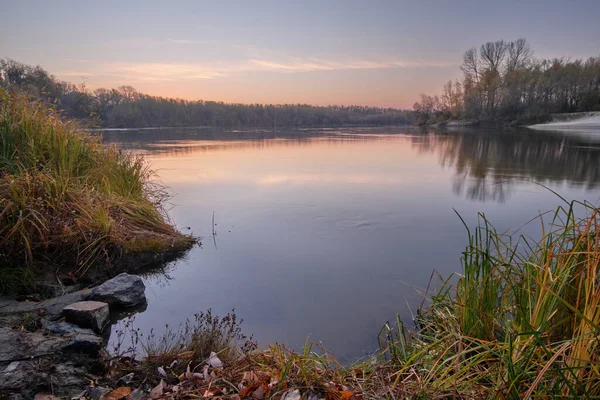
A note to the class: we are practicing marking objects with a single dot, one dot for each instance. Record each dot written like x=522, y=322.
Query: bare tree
x=519, y=54
x=470, y=66
x=493, y=54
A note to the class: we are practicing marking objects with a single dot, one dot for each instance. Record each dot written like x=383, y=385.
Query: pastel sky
x=381, y=53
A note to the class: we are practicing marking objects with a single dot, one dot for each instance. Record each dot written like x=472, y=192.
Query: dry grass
x=522, y=321
x=66, y=199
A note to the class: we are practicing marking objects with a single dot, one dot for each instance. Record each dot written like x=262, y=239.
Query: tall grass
x=67, y=199
x=522, y=321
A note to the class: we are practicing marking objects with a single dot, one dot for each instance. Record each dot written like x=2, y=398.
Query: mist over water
x=329, y=233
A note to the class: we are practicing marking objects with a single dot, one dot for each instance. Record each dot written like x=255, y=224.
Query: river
x=326, y=234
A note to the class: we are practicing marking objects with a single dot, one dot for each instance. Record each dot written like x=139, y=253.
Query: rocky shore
x=57, y=345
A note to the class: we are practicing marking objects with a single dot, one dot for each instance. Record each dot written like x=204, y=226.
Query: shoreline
x=572, y=121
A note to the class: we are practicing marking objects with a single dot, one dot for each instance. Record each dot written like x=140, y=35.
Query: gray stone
x=137, y=394
x=84, y=343
x=95, y=393
x=17, y=345
x=64, y=328
x=123, y=290
x=88, y=314
x=51, y=308
x=80, y=340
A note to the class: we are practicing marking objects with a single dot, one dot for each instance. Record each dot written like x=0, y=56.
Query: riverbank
x=571, y=121
x=521, y=321
x=70, y=205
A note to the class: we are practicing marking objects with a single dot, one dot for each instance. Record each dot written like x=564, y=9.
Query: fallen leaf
x=119, y=393
x=186, y=354
x=344, y=395
x=188, y=373
x=211, y=393
x=158, y=390
x=259, y=393
x=198, y=375
x=44, y=396
x=12, y=366
x=250, y=377
x=245, y=392
x=214, y=361
x=291, y=395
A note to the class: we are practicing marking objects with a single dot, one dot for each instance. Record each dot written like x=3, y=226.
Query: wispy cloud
x=269, y=62
x=187, y=41
x=312, y=64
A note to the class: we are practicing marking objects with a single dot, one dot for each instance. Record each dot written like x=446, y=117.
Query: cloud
x=130, y=72
x=312, y=64
x=188, y=41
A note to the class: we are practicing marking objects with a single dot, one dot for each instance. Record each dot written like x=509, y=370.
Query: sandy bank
x=591, y=121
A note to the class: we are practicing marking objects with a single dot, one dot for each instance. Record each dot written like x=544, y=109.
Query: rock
x=95, y=393
x=51, y=308
x=88, y=314
x=64, y=328
x=123, y=290
x=137, y=394
x=84, y=343
x=18, y=345
x=126, y=379
x=80, y=340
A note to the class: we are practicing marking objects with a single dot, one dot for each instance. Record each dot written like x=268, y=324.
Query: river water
x=326, y=234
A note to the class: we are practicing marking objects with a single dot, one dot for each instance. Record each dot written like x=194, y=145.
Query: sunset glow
x=344, y=52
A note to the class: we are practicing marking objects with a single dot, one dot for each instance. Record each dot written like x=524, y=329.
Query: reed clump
x=68, y=200
x=522, y=321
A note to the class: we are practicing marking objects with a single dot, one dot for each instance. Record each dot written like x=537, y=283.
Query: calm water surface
x=327, y=234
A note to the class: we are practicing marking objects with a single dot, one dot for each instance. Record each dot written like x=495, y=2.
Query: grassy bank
x=522, y=320
x=69, y=202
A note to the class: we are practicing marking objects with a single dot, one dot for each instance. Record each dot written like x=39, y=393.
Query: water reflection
x=486, y=164
x=324, y=233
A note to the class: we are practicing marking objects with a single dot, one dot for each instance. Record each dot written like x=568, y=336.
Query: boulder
x=88, y=314
x=79, y=340
x=123, y=290
x=83, y=343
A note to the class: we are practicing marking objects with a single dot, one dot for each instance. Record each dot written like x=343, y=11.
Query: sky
x=376, y=53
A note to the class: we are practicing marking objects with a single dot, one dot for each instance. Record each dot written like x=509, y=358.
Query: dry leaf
x=344, y=395
x=44, y=396
x=259, y=393
x=198, y=375
x=250, y=377
x=214, y=361
x=248, y=390
x=186, y=354
x=188, y=373
x=119, y=393
x=291, y=395
x=158, y=390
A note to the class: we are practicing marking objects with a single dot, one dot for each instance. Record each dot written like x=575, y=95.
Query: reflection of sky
x=344, y=52
x=319, y=237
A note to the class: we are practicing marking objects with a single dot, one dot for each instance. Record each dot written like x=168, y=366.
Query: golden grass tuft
x=67, y=199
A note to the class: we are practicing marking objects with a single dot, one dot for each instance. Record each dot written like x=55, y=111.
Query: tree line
x=503, y=82
x=125, y=107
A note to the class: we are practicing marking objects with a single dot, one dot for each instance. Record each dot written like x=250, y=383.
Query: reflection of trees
x=489, y=163
x=185, y=141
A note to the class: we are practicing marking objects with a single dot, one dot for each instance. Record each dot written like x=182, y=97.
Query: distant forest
x=125, y=107
x=503, y=82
